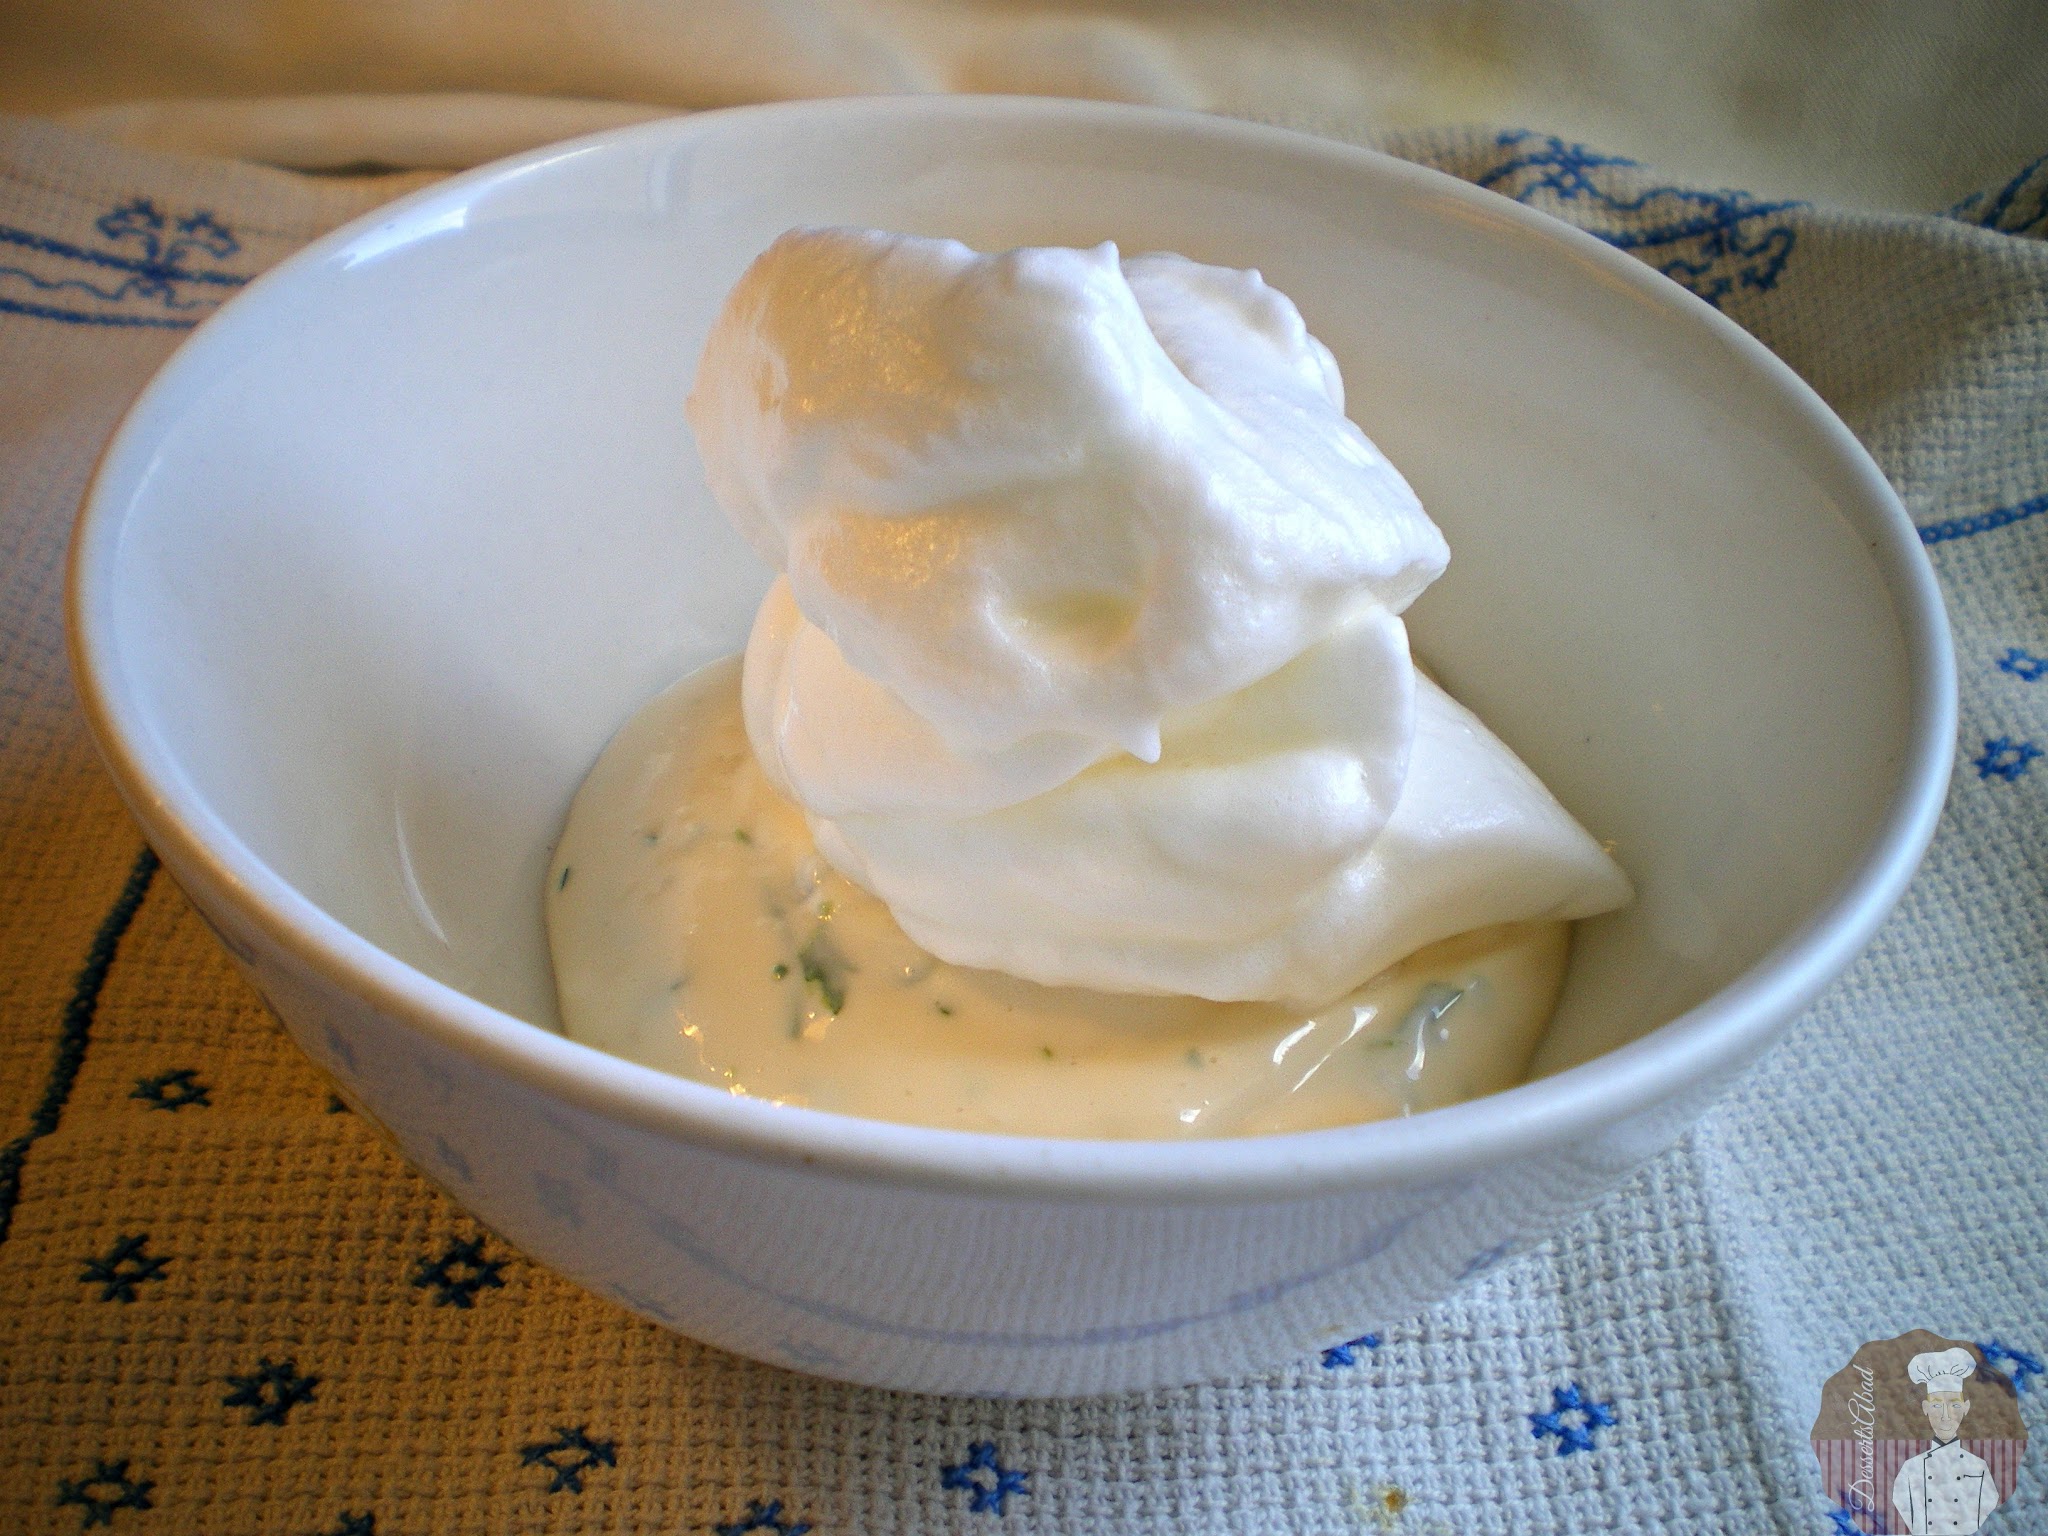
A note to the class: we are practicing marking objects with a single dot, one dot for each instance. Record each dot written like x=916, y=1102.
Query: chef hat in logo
x=1942, y=1371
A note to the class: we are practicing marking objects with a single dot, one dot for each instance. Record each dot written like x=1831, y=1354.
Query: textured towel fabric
x=229, y=1308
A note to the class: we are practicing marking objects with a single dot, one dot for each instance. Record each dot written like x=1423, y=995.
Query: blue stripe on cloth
x=141, y=266
x=1983, y=522
x=157, y=283
x=79, y=317
x=76, y=1033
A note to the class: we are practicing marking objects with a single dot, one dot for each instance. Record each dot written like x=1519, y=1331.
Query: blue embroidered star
x=355, y=1525
x=460, y=1272
x=1844, y=1522
x=568, y=1456
x=172, y=1090
x=271, y=1392
x=1572, y=1419
x=2004, y=758
x=124, y=1267
x=108, y=1488
x=989, y=1496
x=2016, y=1364
x=2024, y=665
x=762, y=1517
x=1345, y=1354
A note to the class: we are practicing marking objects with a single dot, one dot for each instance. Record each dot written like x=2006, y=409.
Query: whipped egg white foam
x=1086, y=656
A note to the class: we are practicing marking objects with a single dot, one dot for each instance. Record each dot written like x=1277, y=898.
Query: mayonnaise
x=696, y=930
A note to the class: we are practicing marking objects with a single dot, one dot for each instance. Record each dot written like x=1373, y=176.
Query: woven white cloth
x=230, y=1308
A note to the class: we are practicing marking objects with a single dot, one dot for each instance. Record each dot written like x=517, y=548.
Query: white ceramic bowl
x=401, y=535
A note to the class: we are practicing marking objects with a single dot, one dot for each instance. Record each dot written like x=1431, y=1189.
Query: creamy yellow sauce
x=695, y=929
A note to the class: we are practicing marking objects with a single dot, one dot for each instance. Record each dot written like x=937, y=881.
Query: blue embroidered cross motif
x=122, y=1268
x=1338, y=1355
x=139, y=220
x=271, y=1392
x=2004, y=758
x=1710, y=242
x=460, y=1272
x=355, y=1525
x=107, y=1488
x=172, y=1090
x=155, y=270
x=2015, y=1364
x=762, y=1517
x=568, y=1456
x=1572, y=1419
x=990, y=1493
x=2023, y=664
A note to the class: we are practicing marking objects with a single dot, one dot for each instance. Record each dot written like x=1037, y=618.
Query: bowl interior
x=415, y=523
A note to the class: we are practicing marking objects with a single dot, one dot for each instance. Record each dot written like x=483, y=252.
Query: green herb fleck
x=650, y=838
x=824, y=909
x=562, y=881
x=742, y=835
x=818, y=974
x=1195, y=1059
x=945, y=1009
x=1046, y=1052
x=780, y=970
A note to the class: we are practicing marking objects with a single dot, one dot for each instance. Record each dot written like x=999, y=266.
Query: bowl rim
x=1695, y=1052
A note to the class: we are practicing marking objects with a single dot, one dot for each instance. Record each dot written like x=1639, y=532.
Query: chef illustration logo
x=1918, y=1434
